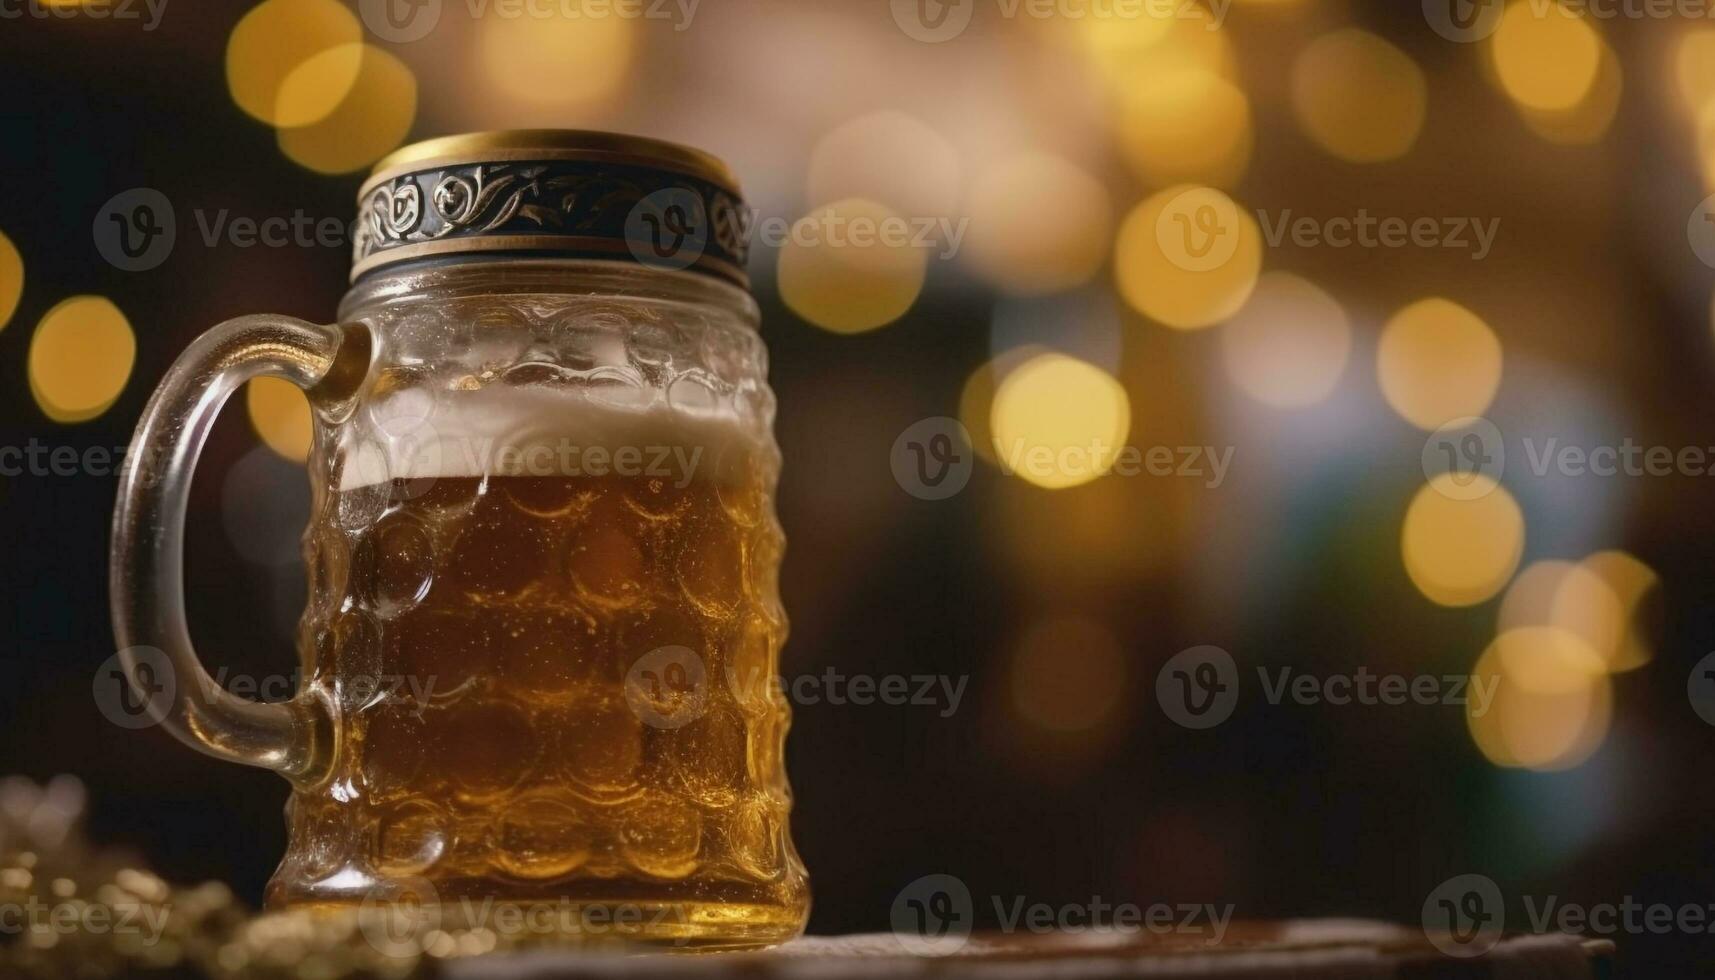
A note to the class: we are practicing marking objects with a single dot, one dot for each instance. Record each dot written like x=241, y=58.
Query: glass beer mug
x=543, y=617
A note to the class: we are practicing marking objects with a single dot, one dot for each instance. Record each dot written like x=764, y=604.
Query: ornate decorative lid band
x=549, y=192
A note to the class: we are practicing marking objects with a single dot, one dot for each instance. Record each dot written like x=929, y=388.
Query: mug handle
x=146, y=577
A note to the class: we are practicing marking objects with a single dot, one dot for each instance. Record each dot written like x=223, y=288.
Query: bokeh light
x=1460, y=549
x=1625, y=644
x=80, y=358
x=280, y=415
x=1588, y=121
x=269, y=47
x=1694, y=68
x=1359, y=97
x=1539, y=699
x=845, y=287
x=1134, y=47
x=888, y=157
x=1067, y=675
x=1185, y=124
x=1058, y=421
x=371, y=121
x=1163, y=265
x=574, y=58
x=11, y=279
x=1438, y=361
x=1545, y=55
x=1038, y=224
x=1290, y=343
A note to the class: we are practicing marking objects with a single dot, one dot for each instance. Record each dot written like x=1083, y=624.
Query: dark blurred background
x=1055, y=141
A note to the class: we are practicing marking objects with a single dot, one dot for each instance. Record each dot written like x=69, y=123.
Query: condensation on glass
x=544, y=620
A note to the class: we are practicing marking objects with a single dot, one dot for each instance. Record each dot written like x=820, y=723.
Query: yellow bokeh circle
x=850, y=266
x=280, y=414
x=372, y=120
x=11, y=279
x=1158, y=280
x=1059, y=422
x=1545, y=55
x=1359, y=97
x=80, y=358
x=1438, y=361
x=573, y=57
x=273, y=41
x=1459, y=552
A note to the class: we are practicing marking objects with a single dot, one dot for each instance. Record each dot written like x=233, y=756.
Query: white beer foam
x=516, y=431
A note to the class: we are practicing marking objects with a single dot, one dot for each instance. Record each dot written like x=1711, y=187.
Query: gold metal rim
x=529, y=243
x=505, y=145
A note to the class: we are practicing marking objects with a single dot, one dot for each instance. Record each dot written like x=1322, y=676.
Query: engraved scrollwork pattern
x=530, y=198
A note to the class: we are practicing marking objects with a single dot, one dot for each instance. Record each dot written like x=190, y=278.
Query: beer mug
x=543, y=617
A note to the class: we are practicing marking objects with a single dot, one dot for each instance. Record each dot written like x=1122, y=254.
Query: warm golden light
x=559, y=60
x=1437, y=362
x=1588, y=121
x=1058, y=421
x=1623, y=642
x=1130, y=49
x=1289, y=345
x=80, y=358
x=11, y=279
x=1038, y=224
x=271, y=44
x=841, y=270
x=1188, y=257
x=1067, y=675
x=280, y=415
x=1185, y=125
x=371, y=121
x=1539, y=699
x=1458, y=549
x=1694, y=68
x=1359, y=97
x=890, y=158
x=976, y=402
x=1545, y=55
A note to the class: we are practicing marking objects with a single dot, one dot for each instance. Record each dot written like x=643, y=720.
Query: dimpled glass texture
x=476, y=632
